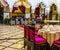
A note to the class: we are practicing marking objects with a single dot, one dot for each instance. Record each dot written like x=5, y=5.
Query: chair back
x=25, y=32
x=31, y=31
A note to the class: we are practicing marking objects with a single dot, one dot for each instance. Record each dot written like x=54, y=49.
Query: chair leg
x=24, y=43
x=54, y=47
x=43, y=47
x=59, y=48
x=30, y=47
x=39, y=47
x=48, y=46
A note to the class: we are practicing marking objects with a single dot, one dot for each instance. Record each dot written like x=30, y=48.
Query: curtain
x=37, y=11
x=14, y=8
x=22, y=8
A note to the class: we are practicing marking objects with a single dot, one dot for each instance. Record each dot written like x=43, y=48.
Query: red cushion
x=57, y=42
x=39, y=40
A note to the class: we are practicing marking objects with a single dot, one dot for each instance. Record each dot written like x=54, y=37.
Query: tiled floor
x=11, y=38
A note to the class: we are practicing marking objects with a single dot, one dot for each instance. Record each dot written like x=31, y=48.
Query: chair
x=25, y=35
x=56, y=45
x=35, y=42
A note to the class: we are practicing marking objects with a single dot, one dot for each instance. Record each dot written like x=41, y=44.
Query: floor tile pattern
x=11, y=38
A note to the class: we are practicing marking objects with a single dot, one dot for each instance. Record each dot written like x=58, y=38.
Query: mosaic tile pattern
x=11, y=38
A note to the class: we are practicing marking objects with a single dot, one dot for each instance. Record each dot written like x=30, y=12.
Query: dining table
x=49, y=35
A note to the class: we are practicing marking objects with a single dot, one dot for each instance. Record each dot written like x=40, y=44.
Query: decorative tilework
x=11, y=38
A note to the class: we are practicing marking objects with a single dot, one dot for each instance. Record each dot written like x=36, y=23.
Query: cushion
x=39, y=40
x=57, y=42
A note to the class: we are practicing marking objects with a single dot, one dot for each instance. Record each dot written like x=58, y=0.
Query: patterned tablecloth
x=49, y=36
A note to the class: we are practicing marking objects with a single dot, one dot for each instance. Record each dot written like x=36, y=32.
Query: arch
x=40, y=10
x=3, y=8
x=4, y=3
x=53, y=15
x=20, y=8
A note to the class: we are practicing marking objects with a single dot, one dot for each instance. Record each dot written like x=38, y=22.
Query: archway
x=40, y=11
x=53, y=15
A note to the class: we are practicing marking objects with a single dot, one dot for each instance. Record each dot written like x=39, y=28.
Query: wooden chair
x=25, y=36
x=56, y=45
x=35, y=42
